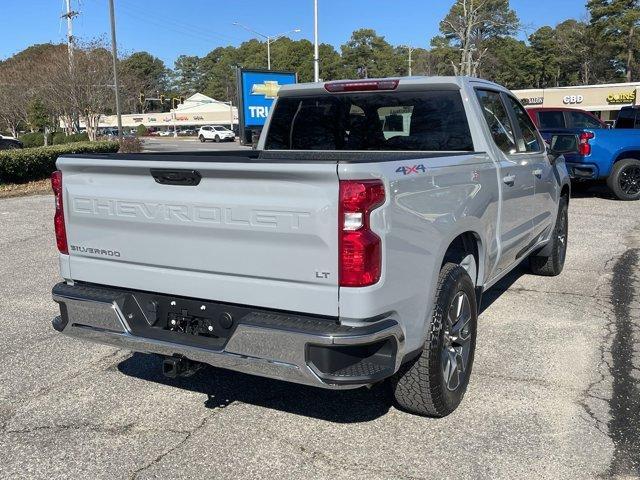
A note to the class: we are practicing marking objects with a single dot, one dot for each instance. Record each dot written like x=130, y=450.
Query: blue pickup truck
x=604, y=154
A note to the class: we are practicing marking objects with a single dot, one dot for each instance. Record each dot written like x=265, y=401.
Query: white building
x=196, y=110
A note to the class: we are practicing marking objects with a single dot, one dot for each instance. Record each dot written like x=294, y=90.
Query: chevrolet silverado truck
x=611, y=155
x=351, y=247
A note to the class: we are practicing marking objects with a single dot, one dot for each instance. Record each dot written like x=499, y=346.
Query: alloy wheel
x=630, y=180
x=456, y=345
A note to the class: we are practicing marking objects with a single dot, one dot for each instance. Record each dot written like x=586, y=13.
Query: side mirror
x=561, y=144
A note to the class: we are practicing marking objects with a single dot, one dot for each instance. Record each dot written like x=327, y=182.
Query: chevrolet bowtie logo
x=269, y=88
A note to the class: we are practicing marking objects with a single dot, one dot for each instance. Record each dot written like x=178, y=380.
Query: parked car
x=604, y=154
x=216, y=133
x=165, y=133
x=628, y=118
x=558, y=118
x=188, y=132
x=337, y=254
x=9, y=143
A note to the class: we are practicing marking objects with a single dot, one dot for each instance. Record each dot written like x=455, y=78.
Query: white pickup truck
x=351, y=247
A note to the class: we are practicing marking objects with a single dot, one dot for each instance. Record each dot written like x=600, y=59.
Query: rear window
x=551, y=119
x=428, y=121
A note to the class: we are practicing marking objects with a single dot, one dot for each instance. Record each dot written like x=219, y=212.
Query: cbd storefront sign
x=623, y=97
x=572, y=99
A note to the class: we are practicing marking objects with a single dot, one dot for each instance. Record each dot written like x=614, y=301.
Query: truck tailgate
x=252, y=233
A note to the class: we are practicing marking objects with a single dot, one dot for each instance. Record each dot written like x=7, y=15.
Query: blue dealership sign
x=258, y=89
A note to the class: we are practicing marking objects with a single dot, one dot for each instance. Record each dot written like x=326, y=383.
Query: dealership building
x=605, y=101
x=197, y=110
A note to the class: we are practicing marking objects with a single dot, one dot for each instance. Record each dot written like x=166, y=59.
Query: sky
x=168, y=29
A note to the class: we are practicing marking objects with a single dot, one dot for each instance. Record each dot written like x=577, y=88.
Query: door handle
x=509, y=180
x=538, y=172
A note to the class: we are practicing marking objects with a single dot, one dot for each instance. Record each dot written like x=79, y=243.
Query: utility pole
x=69, y=15
x=316, y=52
x=410, y=59
x=114, y=55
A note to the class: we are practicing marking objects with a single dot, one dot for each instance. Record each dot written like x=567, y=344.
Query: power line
x=171, y=23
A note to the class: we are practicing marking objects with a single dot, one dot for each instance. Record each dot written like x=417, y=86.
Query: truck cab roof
x=401, y=83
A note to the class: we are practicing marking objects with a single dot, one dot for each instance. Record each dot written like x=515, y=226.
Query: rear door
x=516, y=217
x=260, y=234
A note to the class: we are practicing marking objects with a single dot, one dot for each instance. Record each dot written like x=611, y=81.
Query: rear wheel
x=217, y=139
x=435, y=383
x=202, y=139
x=550, y=261
x=624, y=180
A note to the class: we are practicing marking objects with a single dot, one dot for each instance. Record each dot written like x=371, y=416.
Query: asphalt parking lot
x=554, y=393
x=185, y=144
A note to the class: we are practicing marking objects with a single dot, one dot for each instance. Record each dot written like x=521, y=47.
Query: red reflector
x=361, y=86
x=58, y=218
x=360, y=249
x=584, y=148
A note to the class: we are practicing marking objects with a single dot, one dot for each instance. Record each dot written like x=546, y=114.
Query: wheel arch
x=467, y=243
x=627, y=154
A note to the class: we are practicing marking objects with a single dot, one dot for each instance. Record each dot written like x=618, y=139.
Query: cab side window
x=551, y=119
x=530, y=141
x=498, y=120
x=582, y=120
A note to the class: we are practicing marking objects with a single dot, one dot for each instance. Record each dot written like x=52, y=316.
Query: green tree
x=148, y=70
x=219, y=71
x=189, y=75
x=39, y=117
x=141, y=72
x=471, y=23
x=570, y=54
x=617, y=24
x=509, y=62
x=367, y=55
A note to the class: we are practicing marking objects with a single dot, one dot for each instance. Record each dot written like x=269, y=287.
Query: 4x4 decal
x=408, y=170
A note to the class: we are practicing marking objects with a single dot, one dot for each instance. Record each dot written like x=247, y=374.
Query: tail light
x=361, y=86
x=584, y=148
x=58, y=219
x=360, y=249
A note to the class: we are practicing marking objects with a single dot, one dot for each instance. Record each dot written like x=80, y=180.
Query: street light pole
x=268, y=53
x=269, y=38
x=114, y=55
x=316, y=54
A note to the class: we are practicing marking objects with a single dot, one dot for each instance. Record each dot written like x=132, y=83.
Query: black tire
x=420, y=385
x=624, y=180
x=549, y=262
x=217, y=139
x=202, y=139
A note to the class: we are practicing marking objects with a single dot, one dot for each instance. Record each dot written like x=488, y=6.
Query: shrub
x=141, y=130
x=59, y=138
x=35, y=163
x=78, y=137
x=35, y=139
x=131, y=145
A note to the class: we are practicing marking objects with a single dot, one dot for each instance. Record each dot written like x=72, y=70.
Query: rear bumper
x=297, y=348
x=582, y=171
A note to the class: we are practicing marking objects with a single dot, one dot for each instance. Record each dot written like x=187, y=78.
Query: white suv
x=216, y=133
